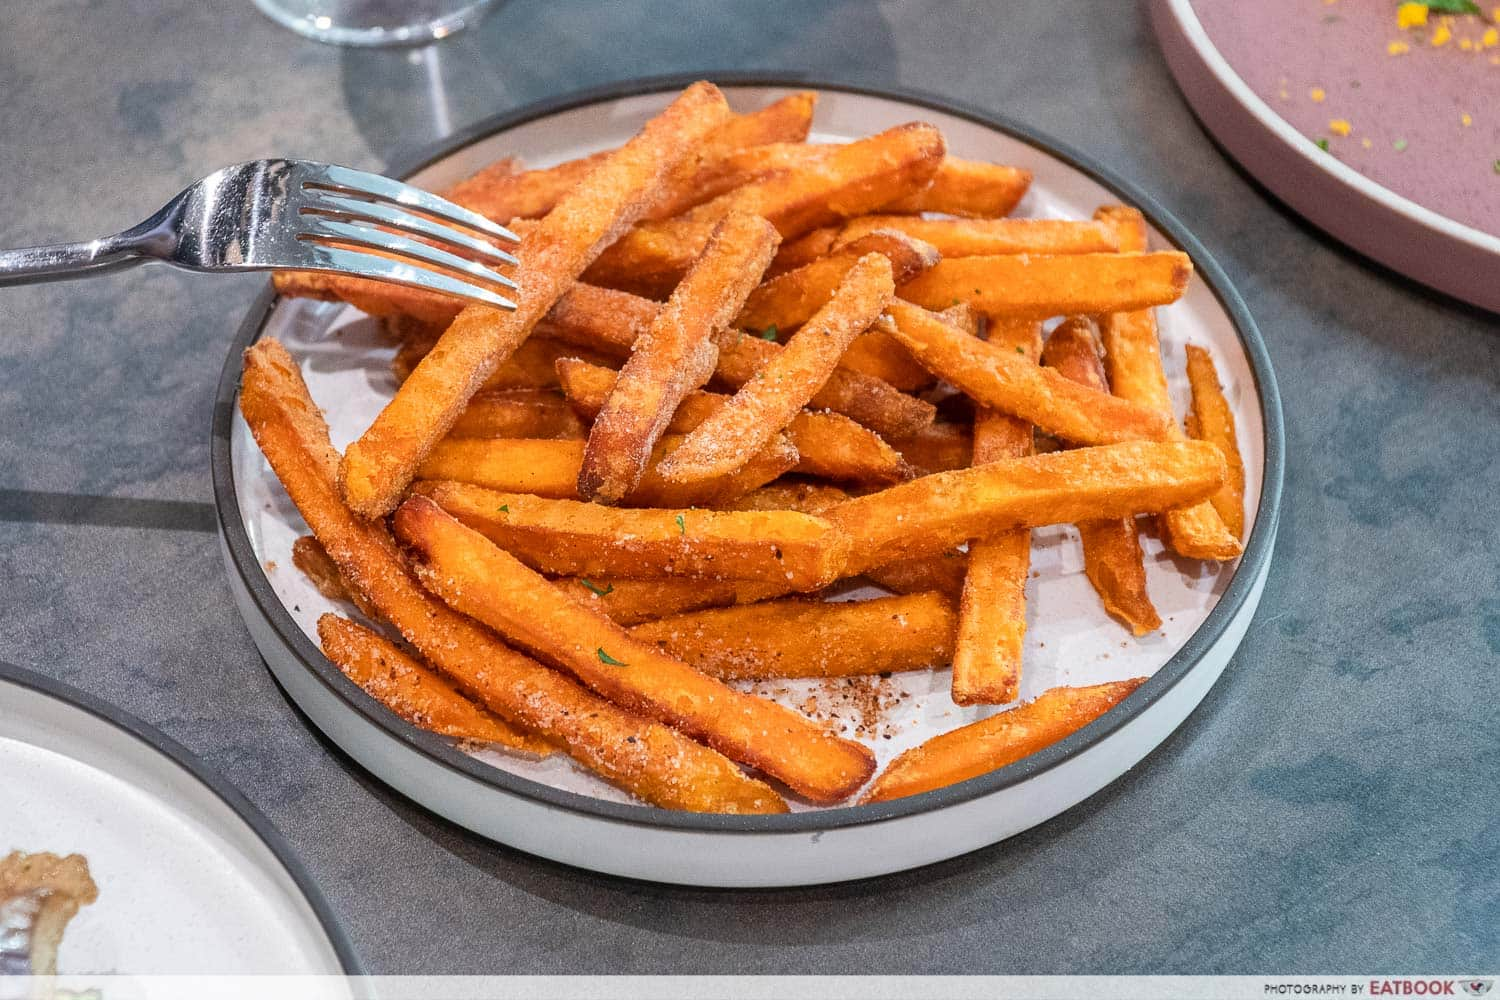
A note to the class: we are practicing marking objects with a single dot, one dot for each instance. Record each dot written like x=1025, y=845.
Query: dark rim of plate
x=441, y=752
x=208, y=778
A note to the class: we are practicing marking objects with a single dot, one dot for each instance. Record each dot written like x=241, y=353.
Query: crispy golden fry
x=1132, y=358
x=601, y=319
x=1007, y=381
x=569, y=538
x=938, y=448
x=479, y=579
x=662, y=368
x=763, y=406
x=806, y=498
x=518, y=413
x=1111, y=549
x=610, y=321
x=532, y=366
x=1035, y=286
x=630, y=602
x=992, y=611
x=1212, y=420
x=855, y=178
x=309, y=556
x=374, y=298
x=967, y=188
x=377, y=468
x=650, y=760
x=831, y=446
x=944, y=573
x=986, y=237
x=965, y=317
x=992, y=743
x=398, y=681
x=786, y=302
x=877, y=354
x=803, y=250
x=800, y=638
x=930, y=515
x=549, y=468
x=828, y=444
x=314, y=563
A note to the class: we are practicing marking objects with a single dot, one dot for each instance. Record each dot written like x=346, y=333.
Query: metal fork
x=272, y=214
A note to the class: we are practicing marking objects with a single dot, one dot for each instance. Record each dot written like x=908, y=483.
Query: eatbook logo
x=1477, y=987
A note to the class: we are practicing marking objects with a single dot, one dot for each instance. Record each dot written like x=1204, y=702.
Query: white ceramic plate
x=192, y=880
x=1407, y=237
x=553, y=808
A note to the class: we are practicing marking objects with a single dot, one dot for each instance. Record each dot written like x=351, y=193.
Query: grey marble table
x=1331, y=807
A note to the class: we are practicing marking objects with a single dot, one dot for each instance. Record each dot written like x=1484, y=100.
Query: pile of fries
x=745, y=368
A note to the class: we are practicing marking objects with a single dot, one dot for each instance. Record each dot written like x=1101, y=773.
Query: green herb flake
x=598, y=592
x=1020, y=349
x=1454, y=6
x=681, y=524
x=1497, y=166
x=957, y=301
x=1323, y=145
x=606, y=658
x=769, y=333
x=1399, y=145
x=505, y=508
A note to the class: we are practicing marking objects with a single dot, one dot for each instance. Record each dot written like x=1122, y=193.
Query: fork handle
x=60, y=261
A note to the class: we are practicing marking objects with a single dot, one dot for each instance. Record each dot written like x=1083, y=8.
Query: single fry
x=1111, y=549
x=1035, y=286
x=967, y=188
x=378, y=467
x=992, y=743
x=662, y=368
x=800, y=638
x=481, y=580
x=532, y=366
x=786, y=302
x=1132, y=358
x=630, y=602
x=986, y=237
x=518, y=413
x=764, y=405
x=652, y=761
x=569, y=538
x=933, y=514
x=1212, y=420
x=398, y=681
x=550, y=468
x=806, y=498
x=944, y=573
x=992, y=611
x=939, y=448
x=1004, y=379
x=853, y=179
x=314, y=562
x=828, y=444
x=600, y=319
x=878, y=354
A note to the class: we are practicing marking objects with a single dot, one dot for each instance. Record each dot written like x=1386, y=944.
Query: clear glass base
x=375, y=22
